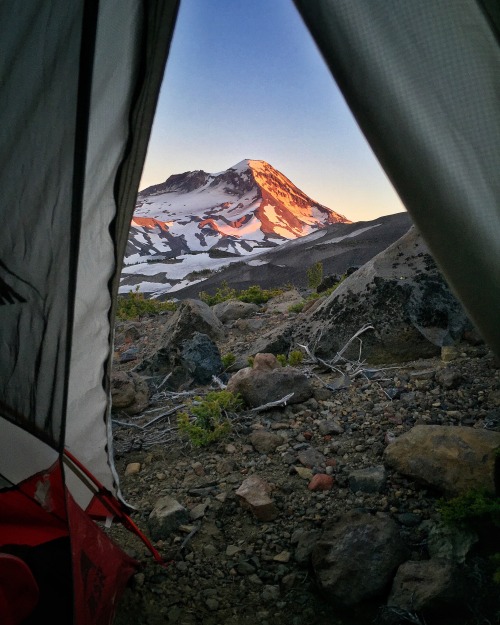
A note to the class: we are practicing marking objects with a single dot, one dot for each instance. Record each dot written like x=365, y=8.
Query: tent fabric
x=80, y=81
x=423, y=82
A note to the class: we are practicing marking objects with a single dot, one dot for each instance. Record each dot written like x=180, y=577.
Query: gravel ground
x=225, y=566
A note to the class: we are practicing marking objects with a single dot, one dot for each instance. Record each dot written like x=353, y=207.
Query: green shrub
x=295, y=358
x=253, y=295
x=211, y=422
x=296, y=308
x=476, y=508
x=281, y=358
x=228, y=360
x=315, y=275
x=250, y=361
x=135, y=305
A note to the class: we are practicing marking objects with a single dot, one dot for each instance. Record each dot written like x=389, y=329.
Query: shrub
x=211, y=417
x=253, y=295
x=295, y=358
x=135, y=305
x=281, y=358
x=315, y=275
x=228, y=360
x=296, y=308
x=475, y=508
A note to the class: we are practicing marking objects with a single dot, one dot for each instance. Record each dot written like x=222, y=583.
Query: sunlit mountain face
x=240, y=211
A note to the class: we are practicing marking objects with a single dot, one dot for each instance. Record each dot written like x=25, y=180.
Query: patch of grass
x=296, y=308
x=135, y=305
x=253, y=295
x=211, y=417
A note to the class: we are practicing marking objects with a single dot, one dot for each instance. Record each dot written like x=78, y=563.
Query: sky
x=244, y=79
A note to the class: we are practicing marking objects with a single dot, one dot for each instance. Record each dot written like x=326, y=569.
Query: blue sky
x=245, y=80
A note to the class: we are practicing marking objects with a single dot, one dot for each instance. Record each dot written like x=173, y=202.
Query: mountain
x=232, y=213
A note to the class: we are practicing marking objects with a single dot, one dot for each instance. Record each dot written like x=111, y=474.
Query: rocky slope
x=227, y=564
x=322, y=503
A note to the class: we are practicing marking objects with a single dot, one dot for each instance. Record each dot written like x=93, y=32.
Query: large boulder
x=452, y=459
x=356, y=559
x=428, y=586
x=402, y=294
x=258, y=386
x=202, y=358
x=233, y=309
x=129, y=392
x=192, y=316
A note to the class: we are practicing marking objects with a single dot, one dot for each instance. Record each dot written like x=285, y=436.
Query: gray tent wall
x=423, y=81
x=79, y=83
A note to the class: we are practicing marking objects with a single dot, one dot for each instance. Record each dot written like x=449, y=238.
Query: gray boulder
x=201, y=357
x=233, y=309
x=427, y=586
x=369, y=480
x=129, y=392
x=402, y=294
x=356, y=559
x=192, y=316
x=452, y=459
x=258, y=387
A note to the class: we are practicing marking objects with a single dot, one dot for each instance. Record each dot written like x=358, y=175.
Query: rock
x=427, y=585
x=132, y=468
x=129, y=354
x=448, y=378
x=265, y=362
x=327, y=282
x=356, y=559
x=283, y=556
x=449, y=353
x=249, y=325
x=275, y=341
x=305, y=545
x=311, y=457
x=258, y=387
x=452, y=459
x=198, y=512
x=201, y=357
x=369, y=480
x=321, y=481
x=406, y=300
x=450, y=543
x=166, y=516
x=233, y=309
x=304, y=472
x=330, y=427
x=192, y=316
x=254, y=495
x=264, y=441
x=129, y=392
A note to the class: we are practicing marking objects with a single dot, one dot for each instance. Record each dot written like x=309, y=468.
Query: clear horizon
x=245, y=81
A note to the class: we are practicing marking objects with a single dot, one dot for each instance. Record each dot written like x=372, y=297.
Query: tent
x=80, y=81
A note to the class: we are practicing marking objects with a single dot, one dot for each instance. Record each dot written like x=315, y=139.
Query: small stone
x=166, y=517
x=198, y=511
x=133, y=468
x=369, y=480
x=210, y=550
x=230, y=449
x=311, y=457
x=254, y=495
x=331, y=427
x=212, y=604
x=198, y=468
x=304, y=472
x=449, y=353
x=264, y=441
x=321, y=481
x=232, y=550
x=283, y=556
